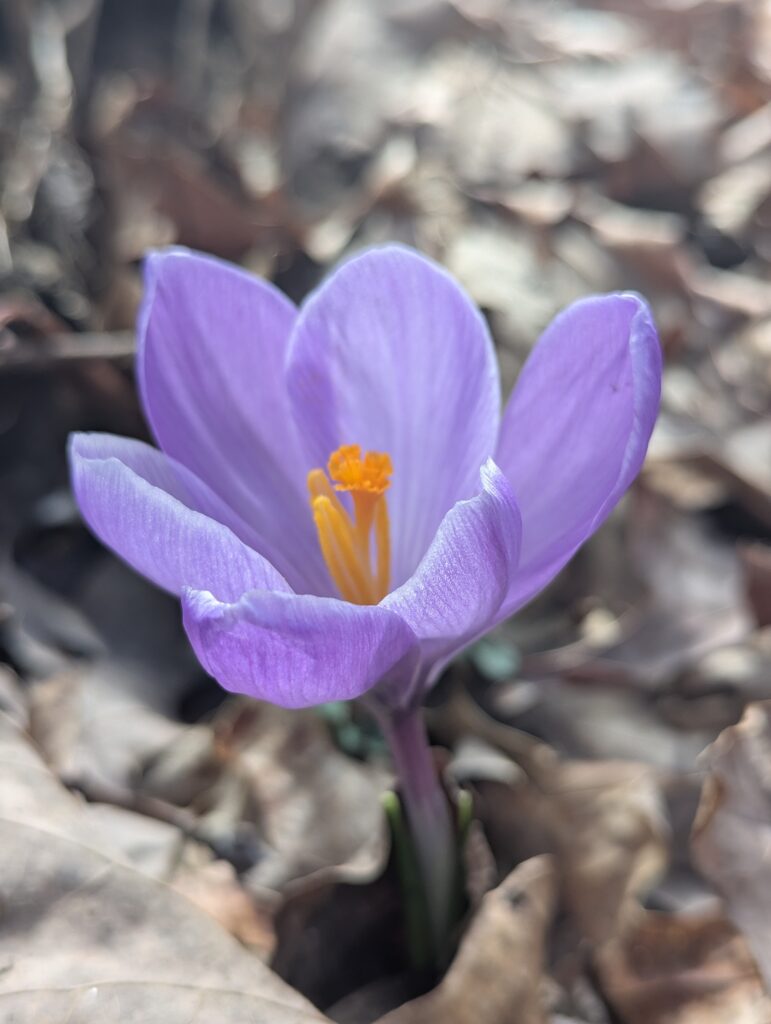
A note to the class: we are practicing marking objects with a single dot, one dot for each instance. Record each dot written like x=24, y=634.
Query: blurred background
x=541, y=151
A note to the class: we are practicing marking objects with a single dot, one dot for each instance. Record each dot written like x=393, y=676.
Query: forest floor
x=172, y=854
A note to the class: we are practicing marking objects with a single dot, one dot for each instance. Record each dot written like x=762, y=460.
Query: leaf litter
x=208, y=848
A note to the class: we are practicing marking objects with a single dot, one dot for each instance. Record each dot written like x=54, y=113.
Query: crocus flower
x=335, y=497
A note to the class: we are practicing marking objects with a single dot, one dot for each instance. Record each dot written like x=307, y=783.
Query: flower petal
x=144, y=507
x=576, y=428
x=459, y=586
x=390, y=354
x=295, y=650
x=212, y=348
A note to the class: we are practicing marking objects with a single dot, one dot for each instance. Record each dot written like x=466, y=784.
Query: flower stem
x=429, y=818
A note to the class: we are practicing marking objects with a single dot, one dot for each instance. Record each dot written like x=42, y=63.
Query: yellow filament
x=337, y=547
x=345, y=540
x=383, y=547
x=318, y=484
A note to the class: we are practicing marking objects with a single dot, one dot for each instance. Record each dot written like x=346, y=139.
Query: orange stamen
x=370, y=475
x=346, y=540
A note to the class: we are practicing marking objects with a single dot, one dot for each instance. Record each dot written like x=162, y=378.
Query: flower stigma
x=356, y=548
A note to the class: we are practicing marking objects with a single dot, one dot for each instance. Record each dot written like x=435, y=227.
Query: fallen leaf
x=496, y=976
x=611, y=834
x=276, y=772
x=732, y=832
x=603, y=821
x=83, y=937
x=682, y=969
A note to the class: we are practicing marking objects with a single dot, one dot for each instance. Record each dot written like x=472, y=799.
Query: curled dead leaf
x=732, y=832
x=497, y=974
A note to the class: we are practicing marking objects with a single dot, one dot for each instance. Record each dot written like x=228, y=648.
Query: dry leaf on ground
x=84, y=938
x=496, y=976
x=732, y=834
x=278, y=773
x=683, y=969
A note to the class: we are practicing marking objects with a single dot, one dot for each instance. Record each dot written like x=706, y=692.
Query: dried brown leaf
x=731, y=836
x=83, y=937
x=278, y=772
x=693, y=969
x=497, y=974
x=602, y=820
x=611, y=834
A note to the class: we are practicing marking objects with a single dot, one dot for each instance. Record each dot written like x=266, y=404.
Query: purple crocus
x=335, y=496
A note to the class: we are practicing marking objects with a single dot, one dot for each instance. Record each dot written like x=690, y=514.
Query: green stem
x=429, y=818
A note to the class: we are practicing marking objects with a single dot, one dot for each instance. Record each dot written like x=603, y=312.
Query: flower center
x=358, y=566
